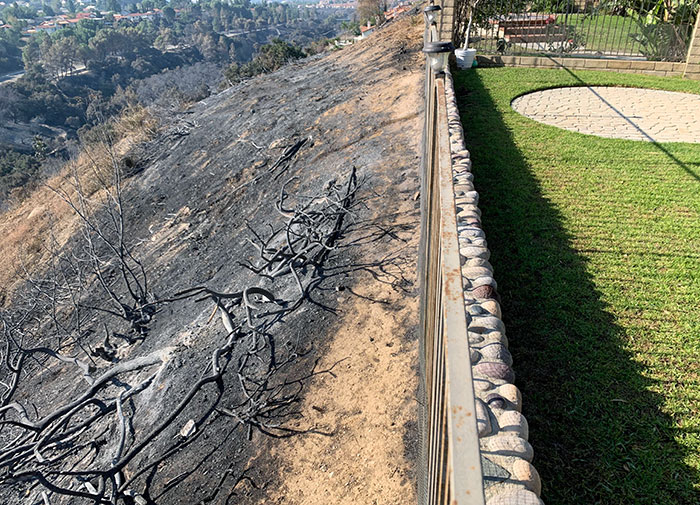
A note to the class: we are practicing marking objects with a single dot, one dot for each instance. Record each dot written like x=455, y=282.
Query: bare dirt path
x=371, y=403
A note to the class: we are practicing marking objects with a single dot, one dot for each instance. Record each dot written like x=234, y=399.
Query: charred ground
x=342, y=348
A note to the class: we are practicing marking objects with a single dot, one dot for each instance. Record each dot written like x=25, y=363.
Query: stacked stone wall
x=506, y=455
x=692, y=68
x=446, y=20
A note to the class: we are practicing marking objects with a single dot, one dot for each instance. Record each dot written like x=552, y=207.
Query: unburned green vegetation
x=595, y=244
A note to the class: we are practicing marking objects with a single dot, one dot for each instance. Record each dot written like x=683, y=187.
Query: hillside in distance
x=67, y=66
x=234, y=320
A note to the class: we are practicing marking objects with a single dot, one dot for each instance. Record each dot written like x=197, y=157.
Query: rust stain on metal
x=451, y=278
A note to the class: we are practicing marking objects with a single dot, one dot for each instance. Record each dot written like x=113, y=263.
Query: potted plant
x=465, y=56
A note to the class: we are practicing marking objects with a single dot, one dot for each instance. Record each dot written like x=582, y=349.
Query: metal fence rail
x=451, y=458
x=655, y=30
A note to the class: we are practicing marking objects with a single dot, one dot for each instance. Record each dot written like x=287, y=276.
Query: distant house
x=46, y=26
x=66, y=21
x=332, y=4
x=138, y=16
x=367, y=30
x=51, y=24
x=399, y=9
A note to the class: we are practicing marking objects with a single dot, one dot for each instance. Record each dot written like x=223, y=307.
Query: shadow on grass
x=660, y=147
x=634, y=125
x=598, y=432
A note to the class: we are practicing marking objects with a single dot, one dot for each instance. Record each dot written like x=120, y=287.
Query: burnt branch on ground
x=309, y=233
x=93, y=442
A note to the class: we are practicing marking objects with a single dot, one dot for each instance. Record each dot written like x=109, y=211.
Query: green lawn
x=596, y=246
x=604, y=33
x=593, y=35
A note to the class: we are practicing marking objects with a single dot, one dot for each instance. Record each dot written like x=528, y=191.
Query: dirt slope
x=188, y=211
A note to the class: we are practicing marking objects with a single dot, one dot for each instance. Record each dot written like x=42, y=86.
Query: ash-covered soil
x=344, y=355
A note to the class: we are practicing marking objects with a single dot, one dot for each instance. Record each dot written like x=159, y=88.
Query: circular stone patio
x=626, y=113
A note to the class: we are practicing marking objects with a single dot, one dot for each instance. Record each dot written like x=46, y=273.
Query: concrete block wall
x=660, y=68
x=692, y=67
x=446, y=19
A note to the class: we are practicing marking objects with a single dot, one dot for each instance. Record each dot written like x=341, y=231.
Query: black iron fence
x=655, y=30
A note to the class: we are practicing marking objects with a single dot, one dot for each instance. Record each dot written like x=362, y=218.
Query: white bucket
x=465, y=57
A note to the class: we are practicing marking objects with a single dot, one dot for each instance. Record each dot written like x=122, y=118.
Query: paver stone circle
x=613, y=112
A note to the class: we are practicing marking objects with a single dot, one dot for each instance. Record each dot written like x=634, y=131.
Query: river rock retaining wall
x=506, y=455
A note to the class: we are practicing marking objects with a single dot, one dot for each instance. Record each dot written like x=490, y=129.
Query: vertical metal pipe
x=588, y=20
x=596, y=33
x=423, y=278
x=615, y=49
x=567, y=9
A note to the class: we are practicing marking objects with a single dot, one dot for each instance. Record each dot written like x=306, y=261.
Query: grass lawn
x=596, y=246
x=604, y=33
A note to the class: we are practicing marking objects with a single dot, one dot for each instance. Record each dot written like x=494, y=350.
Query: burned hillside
x=234, y=320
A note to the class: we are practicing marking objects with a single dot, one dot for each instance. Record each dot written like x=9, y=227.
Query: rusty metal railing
x=451, y=464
